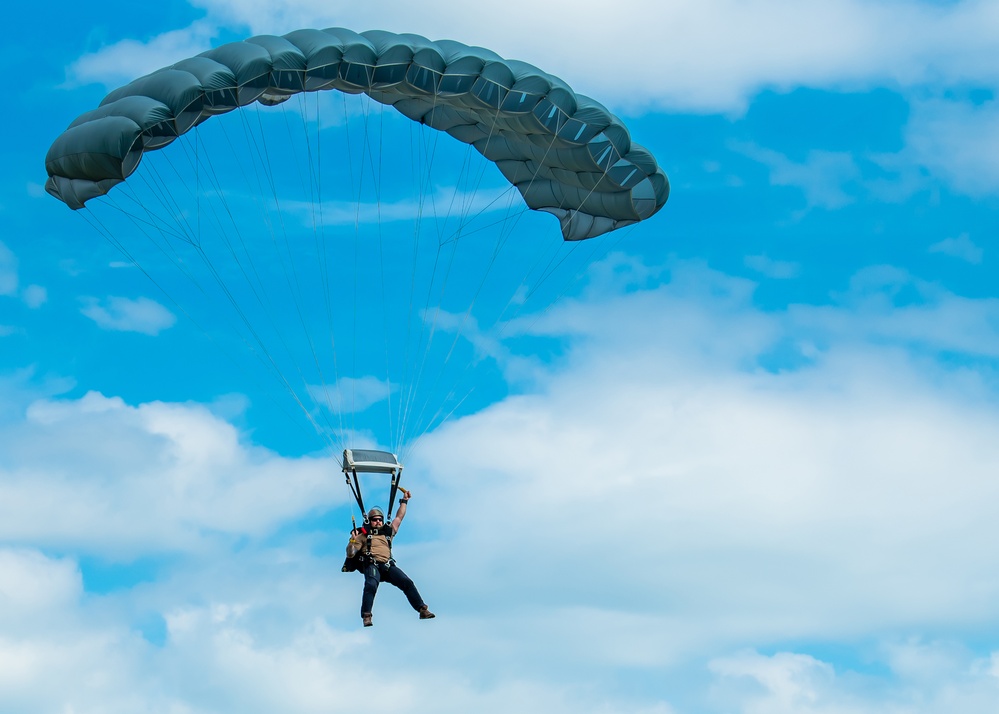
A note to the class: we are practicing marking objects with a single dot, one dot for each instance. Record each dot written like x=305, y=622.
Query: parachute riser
x=376, y=462
x=355, y=488
x=354, y=484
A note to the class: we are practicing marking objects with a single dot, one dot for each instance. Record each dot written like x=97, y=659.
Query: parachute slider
x=369, y=461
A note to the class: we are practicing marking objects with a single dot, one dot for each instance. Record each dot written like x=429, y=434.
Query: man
x=374, y=544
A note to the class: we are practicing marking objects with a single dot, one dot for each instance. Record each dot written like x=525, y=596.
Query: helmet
x=376, y=512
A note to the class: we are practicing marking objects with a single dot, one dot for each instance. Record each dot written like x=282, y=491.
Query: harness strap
x=367, y=552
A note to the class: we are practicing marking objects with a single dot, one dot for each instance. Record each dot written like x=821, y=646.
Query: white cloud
x=641, y=52
x=127, y=315
x=8, y=271
x=789, y=683
x=777, y=269
x=961, y=247
x=127, y=59
x=810, y=488
x=31, y=582
x=440, y=203
x=957, y=141
x=34, y=296
x=108, y=478
x=351, y=394
x=822, y=177
x=662, y=502
x=678, y=56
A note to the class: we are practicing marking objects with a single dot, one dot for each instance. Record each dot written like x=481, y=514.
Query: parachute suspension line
x=322, y=251
x=420, y=155
x=572, y=278
x=466, y=197
x=286, y=262
x=356, y=244
x=311, y=186
x=381, y=262
x=424, y=351
x=197, y=185
x=422, y=161
x=443, y=239
x=545, y=273
x=94, y=221
x=441, y=416
x=463, y=222
x=256, y=290
x=254, y=286
x=308, y=184
x=172, y=211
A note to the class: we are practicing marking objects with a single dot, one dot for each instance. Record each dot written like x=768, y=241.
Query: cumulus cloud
x=255, y=643
x=694, y=503
x=35, y=296
x=675, y=54
x=30, y=582
x=8, y=271
x=127, y=315
x=351, y=394
x=110, y=478
x=961, y=247
x=777, y=269
x=823, y=177
x=446, y=202
x=791, y=683
x=957, y=141
x=127, y=59
x=808, y=486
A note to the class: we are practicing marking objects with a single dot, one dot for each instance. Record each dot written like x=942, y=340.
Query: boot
x=425, y=613
x=366, y=618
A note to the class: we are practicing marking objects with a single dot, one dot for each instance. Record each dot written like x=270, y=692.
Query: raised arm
x=401, y=513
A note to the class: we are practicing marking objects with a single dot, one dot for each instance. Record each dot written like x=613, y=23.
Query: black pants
x=390, y=573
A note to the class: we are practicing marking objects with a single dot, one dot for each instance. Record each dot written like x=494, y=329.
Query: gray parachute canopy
x=564, y=152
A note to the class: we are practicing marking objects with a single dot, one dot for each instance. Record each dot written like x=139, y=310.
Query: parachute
x=565, y=153
x=219, y=210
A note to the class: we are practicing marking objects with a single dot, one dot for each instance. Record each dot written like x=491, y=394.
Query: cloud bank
x=709, y=56
x=698, y=482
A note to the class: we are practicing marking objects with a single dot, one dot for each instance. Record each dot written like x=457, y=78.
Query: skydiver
x=372, y=543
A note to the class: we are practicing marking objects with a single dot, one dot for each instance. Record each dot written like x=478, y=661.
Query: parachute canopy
x=565, y=153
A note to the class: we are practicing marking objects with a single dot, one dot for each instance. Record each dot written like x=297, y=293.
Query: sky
x=742, y=461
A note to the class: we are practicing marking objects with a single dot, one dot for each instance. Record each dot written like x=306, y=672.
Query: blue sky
x=746, y=463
